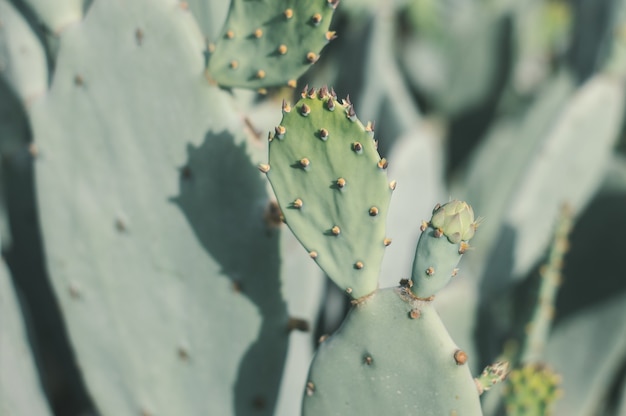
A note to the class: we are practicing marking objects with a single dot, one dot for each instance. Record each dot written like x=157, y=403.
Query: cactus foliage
x=332, y=187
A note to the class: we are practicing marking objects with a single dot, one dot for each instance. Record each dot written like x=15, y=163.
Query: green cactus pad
x=392, y=355
x=332, y=187
x=440, y=247
x=268, y=43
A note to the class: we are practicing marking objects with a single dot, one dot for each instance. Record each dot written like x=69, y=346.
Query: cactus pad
x=440, y=247
x=268, y=43
x=332, y=187
x=392, y=355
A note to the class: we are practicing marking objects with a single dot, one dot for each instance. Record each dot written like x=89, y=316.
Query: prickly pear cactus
x=144, y=193
x=268, y=43
x=332, y=187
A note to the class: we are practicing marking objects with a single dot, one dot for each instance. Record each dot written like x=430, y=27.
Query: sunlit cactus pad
x=268, y=43
x=332, y=187
x=391, y=356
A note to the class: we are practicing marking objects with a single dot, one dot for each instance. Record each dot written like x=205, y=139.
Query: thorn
x=291, y=83
x=333, y=93
x=406, y=283
x=33, y=150
x=415, y=314
x=460, y=357
x=269, y=136
x=324, y=134
x=316, y=19
x=330, y=104
x=234, y=64
x=183, y=354
x=333, y=3
x=304, y=162
x=335, y=230
x=350, y=113
x=305, y=110
x=357, y=147
x=373, y=211
x=392, y=185
x=348, y=290
x=286, y=107
x=210, y=47
x=312, y=57
x=297, y=203
x=139, y=36
x=423, y=226
x=230, y=34
x=430, y=271
x=323, y=338
x=282, y=49
x=312, y=93
x=382, y=163
x=369, y=127
x=376, y=144
x=288, y=13
x=463, y=247
x=260, y=74
x=341, y=182
x=78, y=80
x=258, y=33
x=368, y=360
x=438, y=233
x=304, y=91
x=323, y=92
x=310, y=388
x=280, y=131
x=359, y=265
x=436, y=208
x=455, y=272
x=313, y=254
x=331, y=35
x=387, y=242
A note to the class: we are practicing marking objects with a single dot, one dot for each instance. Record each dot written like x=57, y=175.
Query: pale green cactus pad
x=392, y=355
x=268, y=43
x=332, y=187
x=440, y=247
x=20, y=389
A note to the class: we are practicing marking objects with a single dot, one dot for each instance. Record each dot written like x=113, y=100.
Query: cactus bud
x=456, y=220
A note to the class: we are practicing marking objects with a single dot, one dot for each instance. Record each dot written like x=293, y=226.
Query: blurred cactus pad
x=162, y=254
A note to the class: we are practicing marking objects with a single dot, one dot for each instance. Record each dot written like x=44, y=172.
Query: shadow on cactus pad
x=224, y=199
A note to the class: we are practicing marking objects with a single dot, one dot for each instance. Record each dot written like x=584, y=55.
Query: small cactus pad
x=492, y=375
x=332, y=187
x=391, y=356
x=531, y=390
x=440, y=247
x=268, y=43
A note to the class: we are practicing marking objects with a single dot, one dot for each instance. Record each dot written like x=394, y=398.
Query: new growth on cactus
x=392, y=352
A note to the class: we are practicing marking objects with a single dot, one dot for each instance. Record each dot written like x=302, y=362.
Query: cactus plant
x=328, y=178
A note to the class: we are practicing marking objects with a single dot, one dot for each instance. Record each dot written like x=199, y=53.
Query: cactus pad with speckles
x=332, y=187
x=440, y=247
x=392, y=355
x=268, y=43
